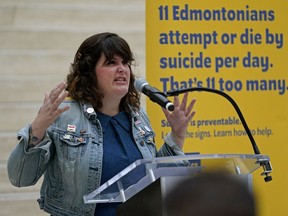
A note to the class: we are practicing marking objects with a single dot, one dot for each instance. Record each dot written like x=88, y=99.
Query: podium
x=143, y=185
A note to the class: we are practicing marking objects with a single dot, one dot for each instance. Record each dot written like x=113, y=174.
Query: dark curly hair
x=82, y=83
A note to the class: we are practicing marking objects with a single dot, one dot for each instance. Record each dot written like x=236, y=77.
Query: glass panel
x=142, y=173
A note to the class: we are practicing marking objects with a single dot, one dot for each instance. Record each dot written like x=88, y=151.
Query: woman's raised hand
x=179, y=119
x=49, y=111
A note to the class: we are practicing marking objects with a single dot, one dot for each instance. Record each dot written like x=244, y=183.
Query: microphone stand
x=265, y=164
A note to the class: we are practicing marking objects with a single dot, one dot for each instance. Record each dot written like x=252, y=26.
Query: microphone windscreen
x=139, y=83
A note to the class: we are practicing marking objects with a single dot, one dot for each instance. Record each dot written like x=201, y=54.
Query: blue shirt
x=120, y=150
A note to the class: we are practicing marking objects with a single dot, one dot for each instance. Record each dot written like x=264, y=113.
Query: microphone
x=154, y=94
x=265, y=164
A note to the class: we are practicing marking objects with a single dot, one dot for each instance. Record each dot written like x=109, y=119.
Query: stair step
x=107, y=2
x=51, y=40
x=43, y=62
x=39, y=62
x=25, y=207
x=77, y=14
x=8, y=143
x=19, y=116
x=27, y=88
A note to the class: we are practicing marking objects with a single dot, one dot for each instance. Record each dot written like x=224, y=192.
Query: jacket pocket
x=73, y=146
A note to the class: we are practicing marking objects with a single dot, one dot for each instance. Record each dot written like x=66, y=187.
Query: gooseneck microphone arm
x=236, y=107
x=266, y=166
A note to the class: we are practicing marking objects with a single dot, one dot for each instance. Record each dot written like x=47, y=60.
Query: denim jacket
x=70, y=157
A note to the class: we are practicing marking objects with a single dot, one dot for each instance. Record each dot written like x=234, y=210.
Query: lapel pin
x=71, y=128
x=90, y=110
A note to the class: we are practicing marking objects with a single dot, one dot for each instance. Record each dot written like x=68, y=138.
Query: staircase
x=38, y=40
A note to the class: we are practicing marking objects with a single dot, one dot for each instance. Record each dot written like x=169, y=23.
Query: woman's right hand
x=49, y=112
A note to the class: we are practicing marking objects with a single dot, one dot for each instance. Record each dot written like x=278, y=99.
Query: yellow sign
x=237, y=47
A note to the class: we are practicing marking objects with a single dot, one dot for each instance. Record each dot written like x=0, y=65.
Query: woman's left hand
x=180, y=118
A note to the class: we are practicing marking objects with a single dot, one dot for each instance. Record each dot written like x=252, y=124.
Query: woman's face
x=113, y=76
